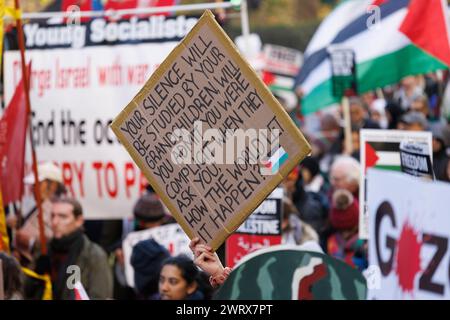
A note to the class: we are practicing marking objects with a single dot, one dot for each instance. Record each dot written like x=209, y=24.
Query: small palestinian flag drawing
x=276, y=160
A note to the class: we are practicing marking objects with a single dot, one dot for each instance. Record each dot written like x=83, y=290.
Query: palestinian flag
x=383, y=155
x=411, y=37
x=281, y=85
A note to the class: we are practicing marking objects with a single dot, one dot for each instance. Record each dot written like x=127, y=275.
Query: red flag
x=13, y=127
x=426, y=25
x=268, y=78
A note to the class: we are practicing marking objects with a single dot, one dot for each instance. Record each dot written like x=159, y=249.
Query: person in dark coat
x=147, y=258
x=70, y=247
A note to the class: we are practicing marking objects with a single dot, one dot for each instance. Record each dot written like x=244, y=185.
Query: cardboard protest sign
x=382, y=149
x=409, y=236
x=170, y=236
x=287, y=272
x=261, y=229
x=201, y=99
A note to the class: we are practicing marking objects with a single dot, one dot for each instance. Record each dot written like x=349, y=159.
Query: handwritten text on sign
x=204, y=79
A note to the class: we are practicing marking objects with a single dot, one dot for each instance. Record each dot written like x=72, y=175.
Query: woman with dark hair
x=12, y=277
x=178, y=279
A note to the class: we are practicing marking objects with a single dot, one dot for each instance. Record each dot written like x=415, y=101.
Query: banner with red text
x=409, y=237
x=82, y=76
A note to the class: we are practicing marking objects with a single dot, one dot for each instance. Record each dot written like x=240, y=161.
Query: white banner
x=409, y=234
x=381, y=149
x=282, y=60
x=170, y=236
x=75, y=93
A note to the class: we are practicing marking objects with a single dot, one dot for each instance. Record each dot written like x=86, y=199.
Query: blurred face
x=47, y=189
x=306, y=175
x=408, y=82
x=339, y=180
x=419, y=106
x=368, y=98
x=356, y=113
x=172, y=285
x=437, y=145
x=63, y=221
x=376, y=116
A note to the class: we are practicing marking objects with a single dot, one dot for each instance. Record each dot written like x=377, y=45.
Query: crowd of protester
x=321, y=205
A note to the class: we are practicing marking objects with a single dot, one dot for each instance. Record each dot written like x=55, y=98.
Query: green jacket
x=95, y=275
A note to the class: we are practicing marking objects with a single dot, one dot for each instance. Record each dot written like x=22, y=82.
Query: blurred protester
x=12, y=277
x=71, y=247
x=313, y=180
x=413, y=121
x=344, y=242
x=409, y=90
x=433, y=89
x=148, y=213
x=368, y=99
x=441, y=160
x=359, y=116
x=294, y=230
x=354, y=151
x=420, y=104
x=312, y=207
x=393, y=113
x=146, y=258
x=345, y=174
x=327, y=145
x=50, y=186
x=178, y=280
x=378, y=113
